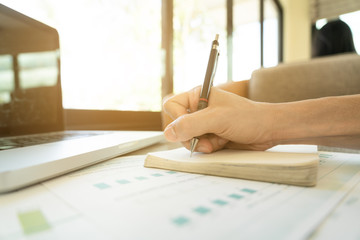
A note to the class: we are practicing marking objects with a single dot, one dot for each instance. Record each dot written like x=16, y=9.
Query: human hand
x=229, y=121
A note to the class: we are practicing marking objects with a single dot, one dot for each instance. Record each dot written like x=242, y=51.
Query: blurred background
x=126, y=55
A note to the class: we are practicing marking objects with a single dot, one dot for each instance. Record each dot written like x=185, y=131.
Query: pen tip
x=193, y=144
x=217, y=37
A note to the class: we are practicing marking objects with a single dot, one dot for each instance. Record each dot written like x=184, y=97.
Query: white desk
x=120, y=199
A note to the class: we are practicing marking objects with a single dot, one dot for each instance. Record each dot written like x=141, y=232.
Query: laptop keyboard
x=35, y=139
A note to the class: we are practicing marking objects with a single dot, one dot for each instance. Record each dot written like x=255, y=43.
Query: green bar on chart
x=123, y=181
x=33, y=222
x=202, y=210
x=235, y=196
x=141, y=178
x=324, y=155
x=248, y=190
x=157, y=175
x=101, y=185
x=180, y=221
x=220, y=202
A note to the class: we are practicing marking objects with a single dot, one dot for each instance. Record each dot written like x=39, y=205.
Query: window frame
x=80, y=119
x=147, y=120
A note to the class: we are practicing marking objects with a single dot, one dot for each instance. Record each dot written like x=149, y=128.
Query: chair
x=320, y=77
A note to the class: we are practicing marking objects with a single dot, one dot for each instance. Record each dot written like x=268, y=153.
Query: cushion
x=320, y=77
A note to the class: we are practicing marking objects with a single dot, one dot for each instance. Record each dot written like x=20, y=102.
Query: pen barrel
x=209, y=76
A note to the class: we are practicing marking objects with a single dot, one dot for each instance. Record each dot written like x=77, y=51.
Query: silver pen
x=208, y=82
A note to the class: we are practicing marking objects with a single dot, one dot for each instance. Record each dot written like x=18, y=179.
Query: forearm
x=239, y=88
x=332, y=121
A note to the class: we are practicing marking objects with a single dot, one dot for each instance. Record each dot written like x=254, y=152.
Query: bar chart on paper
x=120, y=199
x=124, y=185
x=179, y=205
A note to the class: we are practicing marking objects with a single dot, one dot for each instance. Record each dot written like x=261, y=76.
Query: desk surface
x=120, y=199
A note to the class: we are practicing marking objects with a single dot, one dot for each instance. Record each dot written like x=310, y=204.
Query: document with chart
x=120, y=199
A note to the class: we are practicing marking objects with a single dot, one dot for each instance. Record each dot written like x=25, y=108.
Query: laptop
x=34, y=145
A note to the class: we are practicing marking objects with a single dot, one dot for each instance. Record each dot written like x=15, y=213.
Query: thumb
x=188, y=126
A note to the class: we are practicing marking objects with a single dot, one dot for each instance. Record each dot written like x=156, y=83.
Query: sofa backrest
x=320, y=77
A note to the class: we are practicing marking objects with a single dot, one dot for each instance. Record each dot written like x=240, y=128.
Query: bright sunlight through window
x=110, y=51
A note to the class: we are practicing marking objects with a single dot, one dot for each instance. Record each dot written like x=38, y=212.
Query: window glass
x=246, y=38
x=195, y=25
x=111, y=54
x=353, y=19
x=110, y=50
x=271, y=34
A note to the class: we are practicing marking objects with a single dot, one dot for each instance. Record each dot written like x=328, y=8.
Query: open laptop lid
x=30, y=88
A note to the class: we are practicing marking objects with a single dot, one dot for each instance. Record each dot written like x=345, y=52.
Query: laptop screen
x=30, y=89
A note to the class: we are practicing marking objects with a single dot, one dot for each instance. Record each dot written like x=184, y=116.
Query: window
x=353, y=19
x=246, y=38
x=272, y=40
x=110, y=51
x=257, y=36
x=123, y=56
x=195, y=26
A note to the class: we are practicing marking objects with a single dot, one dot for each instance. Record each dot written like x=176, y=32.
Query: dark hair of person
x=333, y=38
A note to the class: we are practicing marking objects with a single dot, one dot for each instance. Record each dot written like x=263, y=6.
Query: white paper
x=121, y=199
x=138, y=203
x=62, y=221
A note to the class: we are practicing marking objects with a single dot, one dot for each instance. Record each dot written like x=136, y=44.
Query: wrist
x=313, y=121
x=274, y=127
x=280, y=131
x=292, y=123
